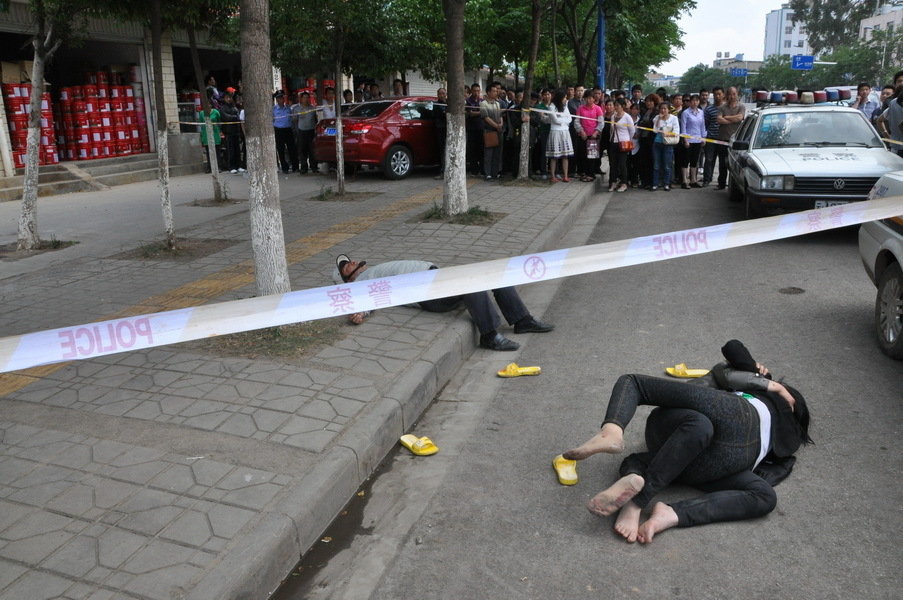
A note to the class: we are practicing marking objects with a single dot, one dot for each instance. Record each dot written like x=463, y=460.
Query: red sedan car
x=395, y=134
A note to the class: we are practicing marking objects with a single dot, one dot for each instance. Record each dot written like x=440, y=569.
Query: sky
x=735, y=26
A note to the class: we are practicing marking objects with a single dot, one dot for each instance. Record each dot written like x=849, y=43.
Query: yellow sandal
x=565, y=469
x=513, y=370
x=683, y=372
x=422, y=446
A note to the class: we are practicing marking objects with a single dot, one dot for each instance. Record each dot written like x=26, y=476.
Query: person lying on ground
x=478, y=304
x=713, y=439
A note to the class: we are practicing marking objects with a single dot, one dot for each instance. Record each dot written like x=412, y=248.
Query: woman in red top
x=588, y=125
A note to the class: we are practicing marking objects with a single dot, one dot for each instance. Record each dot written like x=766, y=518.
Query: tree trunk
x=536, y=15
x=555, y=45
x=160, y=119
x=339, y=136
x=267, y=237
x=205, y=110
x=28, y=238
x=454, y=197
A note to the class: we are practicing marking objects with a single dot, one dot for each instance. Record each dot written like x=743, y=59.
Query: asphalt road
x=486, y=518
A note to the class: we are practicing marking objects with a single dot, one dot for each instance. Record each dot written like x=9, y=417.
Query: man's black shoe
x=531, y=325
x=496, y=341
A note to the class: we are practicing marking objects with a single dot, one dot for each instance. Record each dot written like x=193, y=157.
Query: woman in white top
x=667, y=135
x=622, y=130
x=559, y=145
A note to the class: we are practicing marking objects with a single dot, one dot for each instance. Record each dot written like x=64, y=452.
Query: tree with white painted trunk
x=267, y=237
x=454, y=196
x=341, y=37
x=160, y=121
x=536, y=9
x=212, y=158
x=54, y=21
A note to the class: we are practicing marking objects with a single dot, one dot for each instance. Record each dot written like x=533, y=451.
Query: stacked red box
x=17, y=101
x=102, y=118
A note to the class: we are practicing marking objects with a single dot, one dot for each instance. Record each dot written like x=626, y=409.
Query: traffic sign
x=739, y=72
x=802, y=62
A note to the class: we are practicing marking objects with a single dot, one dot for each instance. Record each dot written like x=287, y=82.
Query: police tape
x=140, y=332
x=683, y=135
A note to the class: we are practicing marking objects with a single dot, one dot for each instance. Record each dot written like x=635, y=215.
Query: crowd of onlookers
x=651, y=141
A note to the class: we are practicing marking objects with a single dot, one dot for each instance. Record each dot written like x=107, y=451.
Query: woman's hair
x=621, y=102
x=588, y=94
x=654, y=98
x=558, y=99
x=694, y=97
x=665, y=104
x=800, y=414
x=898, y=95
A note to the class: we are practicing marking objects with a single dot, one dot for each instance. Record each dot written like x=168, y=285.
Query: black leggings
x=705, y=437
x=617, y=164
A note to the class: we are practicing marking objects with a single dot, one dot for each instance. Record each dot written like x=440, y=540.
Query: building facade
x=783, y=36
x=889, y=18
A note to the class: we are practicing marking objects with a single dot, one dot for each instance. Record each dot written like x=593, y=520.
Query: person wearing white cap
x=478, y=304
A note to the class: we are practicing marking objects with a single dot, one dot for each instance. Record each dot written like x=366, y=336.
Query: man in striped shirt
x=712, y=127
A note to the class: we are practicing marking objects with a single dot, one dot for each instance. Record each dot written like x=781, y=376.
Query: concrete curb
x=268, y=552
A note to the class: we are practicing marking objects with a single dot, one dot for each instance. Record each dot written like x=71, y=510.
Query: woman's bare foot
x=610, y=439
x=606, y=502
x=663, y=517
x=628, y=521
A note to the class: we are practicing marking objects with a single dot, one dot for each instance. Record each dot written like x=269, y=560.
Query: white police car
x=798, y=157
x=881, y=250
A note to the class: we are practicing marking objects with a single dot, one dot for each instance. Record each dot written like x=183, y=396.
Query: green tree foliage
x=870, y=61
x=858, y=62
x=496, y=35
x=415, y=40
x=701, y=76
x=831, y=23
x=376, y=37
x=639, y=34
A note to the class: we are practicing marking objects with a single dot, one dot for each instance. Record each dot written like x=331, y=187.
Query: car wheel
x=398, y=162
x=753, y=206
x=889, y=311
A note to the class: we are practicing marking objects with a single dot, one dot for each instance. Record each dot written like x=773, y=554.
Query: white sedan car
x=798, y=157
x=881, y=249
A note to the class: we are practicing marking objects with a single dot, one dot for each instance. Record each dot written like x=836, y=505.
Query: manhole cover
x=791, y=290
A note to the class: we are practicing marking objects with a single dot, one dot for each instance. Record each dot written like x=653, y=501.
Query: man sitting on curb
x=478, y=304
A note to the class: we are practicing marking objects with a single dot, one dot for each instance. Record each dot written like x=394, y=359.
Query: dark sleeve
x=738, y=356
x=731, y=379
x=774, y=470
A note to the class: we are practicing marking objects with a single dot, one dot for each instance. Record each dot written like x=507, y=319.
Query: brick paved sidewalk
x=171, y=473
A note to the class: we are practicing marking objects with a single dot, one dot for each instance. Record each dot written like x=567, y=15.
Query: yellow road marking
x=234, y=277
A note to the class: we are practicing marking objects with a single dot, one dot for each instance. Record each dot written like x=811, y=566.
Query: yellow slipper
x=513, y=370
x=565, y=469
x=683, y=372
x=422, y=446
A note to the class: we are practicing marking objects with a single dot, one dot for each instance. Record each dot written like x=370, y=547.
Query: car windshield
x=816, y=128
x=367, y=110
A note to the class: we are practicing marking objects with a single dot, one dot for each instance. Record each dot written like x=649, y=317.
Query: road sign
x=802, y=62
x=738, y=72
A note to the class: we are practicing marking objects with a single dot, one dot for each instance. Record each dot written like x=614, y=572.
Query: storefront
x=99, y=96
